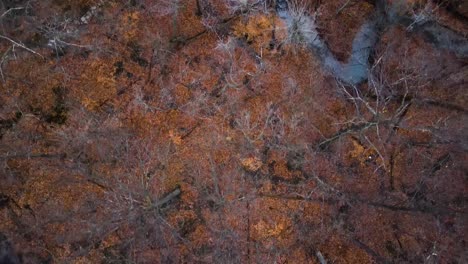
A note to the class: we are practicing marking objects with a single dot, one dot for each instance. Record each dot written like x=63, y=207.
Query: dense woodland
x=233, y=131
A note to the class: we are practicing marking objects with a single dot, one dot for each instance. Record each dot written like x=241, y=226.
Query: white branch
x=11, y=9
x=21, y=45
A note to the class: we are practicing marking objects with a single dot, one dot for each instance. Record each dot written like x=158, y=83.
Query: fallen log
x=166, y=199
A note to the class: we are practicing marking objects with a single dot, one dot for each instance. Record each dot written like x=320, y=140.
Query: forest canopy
x=233, y=131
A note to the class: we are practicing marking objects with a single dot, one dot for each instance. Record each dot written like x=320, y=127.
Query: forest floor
x=203, y=131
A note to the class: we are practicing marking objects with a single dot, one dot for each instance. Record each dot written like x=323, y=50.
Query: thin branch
x=73, y=44
x=342, y=7
x=320, y=258
x=21, y=46
x=4, y=57
x=11, y=9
